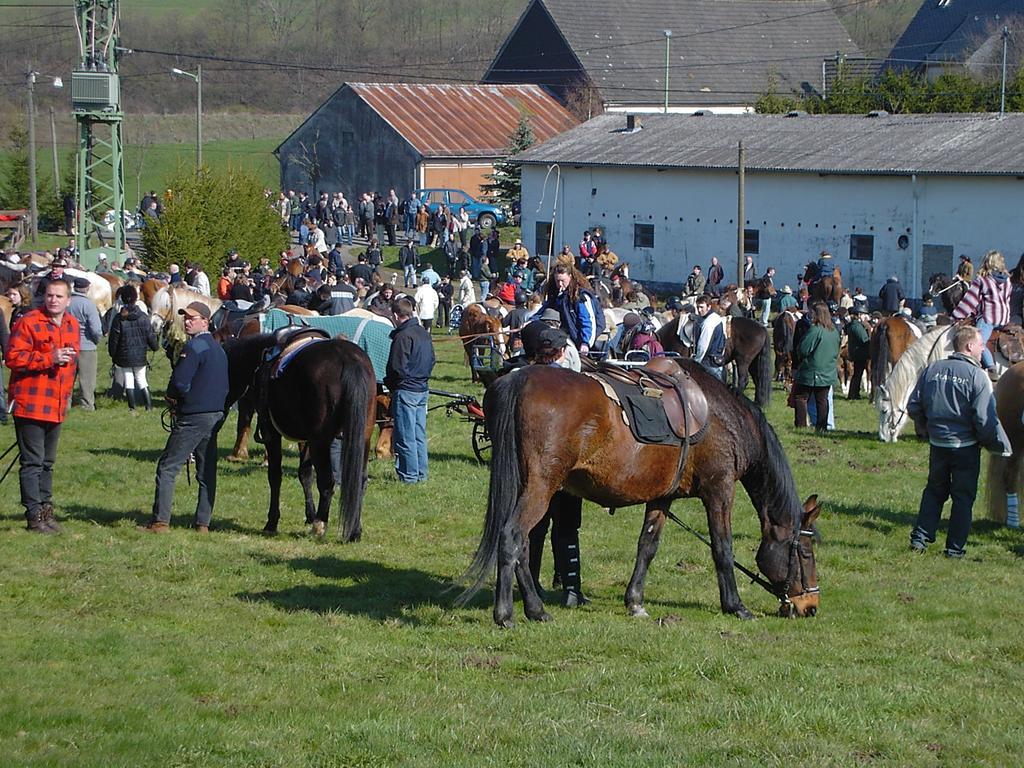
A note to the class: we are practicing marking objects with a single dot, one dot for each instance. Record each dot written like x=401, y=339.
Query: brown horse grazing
x=747, y=346
x=478, y=329
x=554, y=429
x=890, y=339
x=1005, y=478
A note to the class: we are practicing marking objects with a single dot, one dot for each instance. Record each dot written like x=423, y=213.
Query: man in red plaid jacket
x=41, y=355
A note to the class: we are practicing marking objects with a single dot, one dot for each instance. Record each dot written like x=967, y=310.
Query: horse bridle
x=797, y=555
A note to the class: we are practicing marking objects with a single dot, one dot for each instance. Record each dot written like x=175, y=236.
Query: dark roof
x=968, y=144
x=722, y=51
x=459, y=120
x=950, y=30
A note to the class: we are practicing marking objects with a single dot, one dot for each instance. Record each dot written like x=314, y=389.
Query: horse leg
x=245, y=415
x=272, y=445
x=646, y=547
x=718, y=505
x=320, y=456
x=533, y=606
x=306, y=481
x=514, y=558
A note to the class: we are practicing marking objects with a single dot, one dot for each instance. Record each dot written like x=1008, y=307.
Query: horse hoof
x=270, y=530
x=639, y=612
x=237, y=459
x=542, y=616
x=743, y=613
x=505, y=623
x=318, y=528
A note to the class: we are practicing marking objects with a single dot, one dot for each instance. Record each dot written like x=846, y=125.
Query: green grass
x=120, y=648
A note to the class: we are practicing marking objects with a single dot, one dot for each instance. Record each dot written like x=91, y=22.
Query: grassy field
x=120, y=648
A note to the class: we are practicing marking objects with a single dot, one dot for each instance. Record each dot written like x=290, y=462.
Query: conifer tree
x=506, y=181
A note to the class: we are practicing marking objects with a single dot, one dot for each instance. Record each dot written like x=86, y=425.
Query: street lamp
x=33, y=202
x=198, y=77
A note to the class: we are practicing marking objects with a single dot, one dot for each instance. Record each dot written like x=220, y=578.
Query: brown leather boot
x=47, y=517
x=35, y=524
x=155, y=526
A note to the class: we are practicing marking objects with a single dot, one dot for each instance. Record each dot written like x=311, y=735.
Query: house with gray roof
x=720, y=55
x=886, y=194
x=948, y=34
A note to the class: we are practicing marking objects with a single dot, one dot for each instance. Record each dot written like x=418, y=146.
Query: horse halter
x=797, y=555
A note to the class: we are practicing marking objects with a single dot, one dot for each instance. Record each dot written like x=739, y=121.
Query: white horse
x=894, y=394
x=99, y=289
x=166, y=303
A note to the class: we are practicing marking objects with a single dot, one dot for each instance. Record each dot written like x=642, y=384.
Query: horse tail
x=762, y=370
x=358, y=396
x=879, y=356
x=996, y=488
x=501, y=406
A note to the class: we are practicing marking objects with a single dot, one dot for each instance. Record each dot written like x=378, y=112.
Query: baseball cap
x=196, y=309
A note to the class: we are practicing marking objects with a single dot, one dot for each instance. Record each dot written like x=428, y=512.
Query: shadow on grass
x=111, y=517
x=886, y=520
x=372, y=589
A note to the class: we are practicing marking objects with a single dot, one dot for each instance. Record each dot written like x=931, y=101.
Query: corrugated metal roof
x=972, y=144
x=463, y=120
x=722, y=51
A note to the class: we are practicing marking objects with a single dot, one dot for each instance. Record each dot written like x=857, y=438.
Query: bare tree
x=308, y=159
x=284, y=18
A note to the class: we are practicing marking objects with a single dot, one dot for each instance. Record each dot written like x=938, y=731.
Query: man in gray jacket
x=953, y=402
x=91, y=329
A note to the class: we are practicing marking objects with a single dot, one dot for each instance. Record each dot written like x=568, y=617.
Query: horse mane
x=899, y=383
x=772, y=471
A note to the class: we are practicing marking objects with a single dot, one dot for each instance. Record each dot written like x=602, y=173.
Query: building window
x=862, y=247
x=543, y=238
x=643, y=235
x=751, y=241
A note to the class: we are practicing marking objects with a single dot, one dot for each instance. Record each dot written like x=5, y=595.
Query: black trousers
x=801, y=393
x=37, y=442
x=858, y=375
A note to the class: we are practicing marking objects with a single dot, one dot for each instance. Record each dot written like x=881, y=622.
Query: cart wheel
x=481, y=442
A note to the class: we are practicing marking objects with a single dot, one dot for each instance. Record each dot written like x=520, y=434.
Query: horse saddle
x=288, y=343
x=660, y=405
x=1008, y=341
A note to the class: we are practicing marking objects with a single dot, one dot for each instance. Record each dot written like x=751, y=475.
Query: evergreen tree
x=210, y=213
x=506, y=181
x=14, y=191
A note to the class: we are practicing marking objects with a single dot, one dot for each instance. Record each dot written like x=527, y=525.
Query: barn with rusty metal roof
x=378, y=136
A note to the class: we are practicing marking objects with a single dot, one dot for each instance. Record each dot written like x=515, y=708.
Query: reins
x=796, y=552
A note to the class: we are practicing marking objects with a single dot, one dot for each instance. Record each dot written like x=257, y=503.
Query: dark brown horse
x=747, y=346
x=948, y=289
x=783, y=334
x=1004, y=474
x=554, y=429
x=327, y=390
x=480, y=331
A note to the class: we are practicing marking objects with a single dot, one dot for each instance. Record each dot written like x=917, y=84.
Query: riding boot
x=567, y=562
x=147, y=398
x=1012, y=513
x=130, y=395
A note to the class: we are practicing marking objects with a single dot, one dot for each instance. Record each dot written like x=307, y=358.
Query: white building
x=886, y=194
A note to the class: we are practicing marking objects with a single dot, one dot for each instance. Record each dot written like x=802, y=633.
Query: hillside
x=324, y=42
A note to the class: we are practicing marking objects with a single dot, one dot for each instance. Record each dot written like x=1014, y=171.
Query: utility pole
x=1002, y=86
x=96, y=102
x=668, y=45
x=741, y=216
x=33, y=202
x=56, y=164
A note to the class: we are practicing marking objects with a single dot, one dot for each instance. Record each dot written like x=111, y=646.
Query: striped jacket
x=987, y=298
x=41, y=390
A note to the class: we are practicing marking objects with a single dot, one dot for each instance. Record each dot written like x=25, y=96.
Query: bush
x=210, y=213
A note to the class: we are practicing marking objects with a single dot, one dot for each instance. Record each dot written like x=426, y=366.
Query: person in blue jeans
x=953, y=402
x=407, y=377
x=196, y=392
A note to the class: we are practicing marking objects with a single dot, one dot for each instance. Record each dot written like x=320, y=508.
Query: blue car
x=485, y=214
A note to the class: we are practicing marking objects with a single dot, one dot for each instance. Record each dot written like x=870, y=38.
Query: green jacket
x=858, y=341
x=818, y=352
